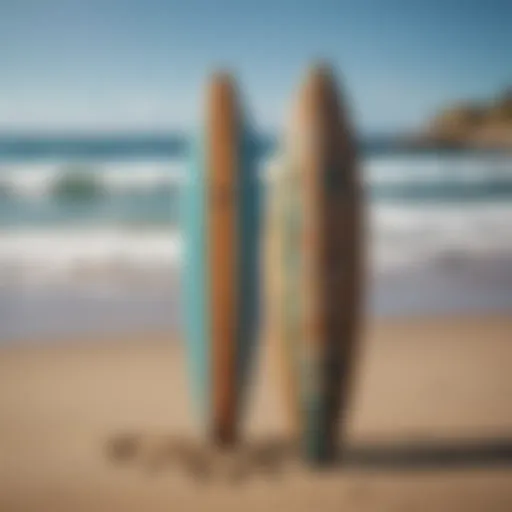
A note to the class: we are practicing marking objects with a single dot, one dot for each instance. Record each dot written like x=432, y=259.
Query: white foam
x=59, y=255
x=416, y=235
x=397, y=236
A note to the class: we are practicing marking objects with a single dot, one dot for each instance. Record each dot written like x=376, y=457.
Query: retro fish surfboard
x=221, y=261
x=317, y=246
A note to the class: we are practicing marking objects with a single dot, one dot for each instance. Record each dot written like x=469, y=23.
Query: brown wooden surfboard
x=223, y=128
x=221, y=237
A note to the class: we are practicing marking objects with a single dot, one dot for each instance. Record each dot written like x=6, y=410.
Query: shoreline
x=172, y=334
x=453, y=288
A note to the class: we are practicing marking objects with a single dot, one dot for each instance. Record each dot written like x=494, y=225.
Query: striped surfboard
x=221, y=204
x=317, y=247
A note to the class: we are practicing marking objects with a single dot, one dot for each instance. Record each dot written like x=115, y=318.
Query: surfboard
x=319, y=226
x=279, y=261
x=221, y=260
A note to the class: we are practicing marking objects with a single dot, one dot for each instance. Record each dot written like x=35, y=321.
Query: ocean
x=90, y=237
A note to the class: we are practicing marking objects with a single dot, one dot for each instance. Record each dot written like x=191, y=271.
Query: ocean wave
x=436, y=169
x=404, y=230
x=397, y=237
x=415, y=177
x=56, y=180
x=401, y=235
x=431, y=178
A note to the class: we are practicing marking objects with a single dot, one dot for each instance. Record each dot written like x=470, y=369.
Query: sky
x=127, y=65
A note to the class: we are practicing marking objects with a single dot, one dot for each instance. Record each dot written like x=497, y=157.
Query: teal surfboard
x=220, y=281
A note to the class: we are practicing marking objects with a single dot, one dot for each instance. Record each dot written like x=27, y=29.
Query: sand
x=86, y=425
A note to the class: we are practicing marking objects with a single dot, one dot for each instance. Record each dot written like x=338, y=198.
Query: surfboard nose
x=221, y=88
x=319, y=93
x=222, y=97
x=318, y=123
x=222, y=123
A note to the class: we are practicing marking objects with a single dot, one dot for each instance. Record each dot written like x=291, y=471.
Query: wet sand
x=106, y=425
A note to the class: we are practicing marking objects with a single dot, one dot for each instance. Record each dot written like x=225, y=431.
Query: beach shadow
x=274, y=457
x=430, y=454
x=154, y=453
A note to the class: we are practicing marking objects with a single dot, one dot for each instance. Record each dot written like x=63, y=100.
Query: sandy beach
x=430, y=430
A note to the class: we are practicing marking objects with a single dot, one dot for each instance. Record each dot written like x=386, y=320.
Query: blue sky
x=141, y=65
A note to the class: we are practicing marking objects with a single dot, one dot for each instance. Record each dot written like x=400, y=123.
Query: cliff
x=486, y=125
